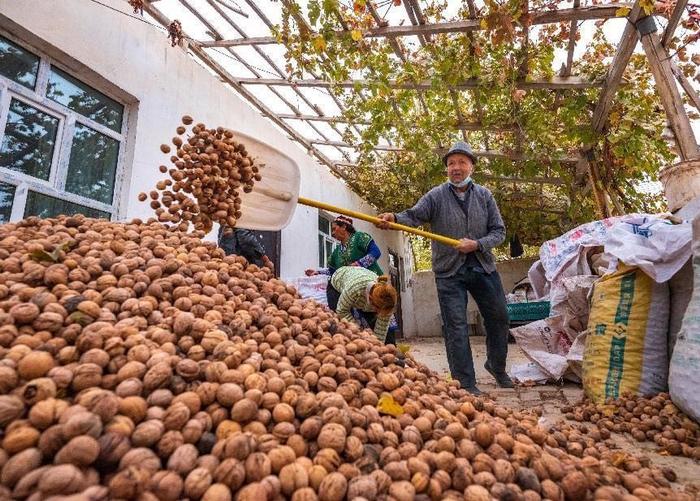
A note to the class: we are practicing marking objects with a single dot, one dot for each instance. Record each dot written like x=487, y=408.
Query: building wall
x=424, y=315
x=133, y=62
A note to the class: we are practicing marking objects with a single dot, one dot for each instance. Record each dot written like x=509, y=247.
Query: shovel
x=271, y=204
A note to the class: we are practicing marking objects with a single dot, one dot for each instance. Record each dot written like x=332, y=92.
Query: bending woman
x=373, y=296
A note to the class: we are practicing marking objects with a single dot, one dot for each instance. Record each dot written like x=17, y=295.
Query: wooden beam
x=687, y=86
x=522, y=180
x=556, y=82
x=467, y=126
x=543, y=17
x=625, y=48
x=673, y=22
x=573, y=30
x=660, y=64
x=341, y=144
x=489, y=154
x=232, y=7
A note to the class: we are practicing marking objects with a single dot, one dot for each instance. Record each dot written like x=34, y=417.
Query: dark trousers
x=487, y=291
x=332, y=296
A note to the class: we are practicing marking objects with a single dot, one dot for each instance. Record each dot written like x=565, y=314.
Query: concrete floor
x=550, y=398
x=431, y=352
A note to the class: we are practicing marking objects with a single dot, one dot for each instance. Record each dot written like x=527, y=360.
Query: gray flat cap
x=460, y=147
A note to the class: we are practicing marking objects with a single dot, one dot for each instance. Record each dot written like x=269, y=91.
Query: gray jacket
x=441, y=210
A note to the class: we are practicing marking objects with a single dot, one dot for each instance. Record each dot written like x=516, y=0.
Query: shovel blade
x=270, y=206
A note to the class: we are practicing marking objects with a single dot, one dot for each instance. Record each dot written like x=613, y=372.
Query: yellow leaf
x=647, y=6
x=618, y=458
x=320, y=43
x=622, y=11
x=608, y=410
x=387, y=405
x=356, y=35
x=484, y=24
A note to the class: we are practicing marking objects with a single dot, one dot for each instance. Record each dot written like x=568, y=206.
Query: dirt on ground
x=550, y=398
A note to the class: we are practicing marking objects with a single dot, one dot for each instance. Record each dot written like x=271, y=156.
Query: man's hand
x=310, y=272
x=386, y=217
x=467, y=245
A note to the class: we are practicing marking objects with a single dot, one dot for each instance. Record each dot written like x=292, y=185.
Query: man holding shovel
x=468, y=212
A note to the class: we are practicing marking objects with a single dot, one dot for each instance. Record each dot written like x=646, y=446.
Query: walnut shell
x=166, y=485
x=20, y=465
x=184, y=459
x=35, y=364
x=332, y=436
x=197, y=483
x=333, y=487
x=292, y=477
x=11, y=409
x=80, y=451
x=62, y=479
x=219, y=492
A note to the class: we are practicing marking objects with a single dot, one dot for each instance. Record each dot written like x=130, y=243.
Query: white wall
x=134, y=62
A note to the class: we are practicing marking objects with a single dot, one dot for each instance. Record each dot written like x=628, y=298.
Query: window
x=325, y=241
x=61, y=140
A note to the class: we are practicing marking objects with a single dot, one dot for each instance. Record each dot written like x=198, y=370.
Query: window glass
x=93, y=164
x=324, y=225
x=18, y=64
x=29, y=140
x=45, y=206
x=83, y=99
x=7, y=195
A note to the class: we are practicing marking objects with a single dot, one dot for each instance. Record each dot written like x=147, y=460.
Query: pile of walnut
x=211, y=169
x=655, y=419
x=141, y=363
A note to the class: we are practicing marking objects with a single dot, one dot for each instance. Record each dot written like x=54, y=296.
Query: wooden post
x=661, y=67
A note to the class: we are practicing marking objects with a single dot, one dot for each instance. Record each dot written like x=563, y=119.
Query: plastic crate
x=528, y=312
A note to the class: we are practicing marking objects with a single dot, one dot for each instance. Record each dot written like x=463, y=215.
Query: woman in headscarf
x=356, y=248
x=373, y=296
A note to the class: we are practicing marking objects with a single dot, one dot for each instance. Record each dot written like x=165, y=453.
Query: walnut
x=129, y=482
x=37, y=390
x=11, y=408
x=20, y=438
x=257, y=467
x=184, y=459
x=20, y=465
x=333, y=487
x=219, y=492
x=103, y=403
x=113, y=446
x=82, y=423
x=144, y=459
x=230, y=472
x=332, y=436
x=166, y=485
x=148, y=433
x=35, y=364
x=292, y=477
x=197, y=483
x=80, y=451
x=176, y=416
x=364, y=486
x=62, y=479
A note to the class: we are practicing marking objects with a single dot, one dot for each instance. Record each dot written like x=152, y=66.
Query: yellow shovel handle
x=376, y=220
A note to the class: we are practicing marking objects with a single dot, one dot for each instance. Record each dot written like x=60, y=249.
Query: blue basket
x=528, y=312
